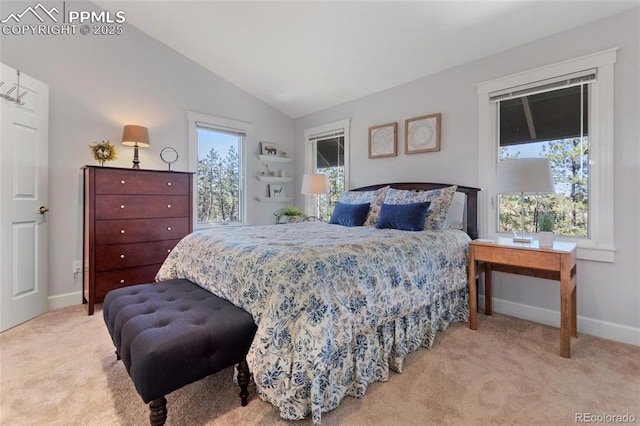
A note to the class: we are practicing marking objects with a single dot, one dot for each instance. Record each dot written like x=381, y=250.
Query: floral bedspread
x=336, y=307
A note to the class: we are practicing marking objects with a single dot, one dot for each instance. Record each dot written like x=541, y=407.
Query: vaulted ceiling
x=305, y=56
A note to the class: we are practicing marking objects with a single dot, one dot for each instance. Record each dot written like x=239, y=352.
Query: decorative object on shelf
x=524, y=176
x=545, y=230
x=383, y=140
x=104, y=151
x=269, y=172
x=169, y=156
x=268, y=148
x=290, y=213
x=18, y=98
x=276, y=190
x=135, y=136
x=422, y=134
x=315, y=184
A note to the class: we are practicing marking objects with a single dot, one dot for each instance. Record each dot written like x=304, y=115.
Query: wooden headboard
x=472, y=198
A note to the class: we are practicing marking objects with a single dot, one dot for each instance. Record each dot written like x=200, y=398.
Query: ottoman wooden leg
x=243, y=380
x=158, y=414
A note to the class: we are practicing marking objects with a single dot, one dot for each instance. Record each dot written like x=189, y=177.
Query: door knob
x=43, y=209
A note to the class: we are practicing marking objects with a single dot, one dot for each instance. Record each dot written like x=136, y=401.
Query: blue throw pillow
x=406, y=217
x=349, y=214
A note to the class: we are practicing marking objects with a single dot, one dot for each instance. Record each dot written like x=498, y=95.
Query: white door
x=23, y=191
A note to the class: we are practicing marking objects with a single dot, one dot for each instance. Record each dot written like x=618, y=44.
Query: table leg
x=473, y=291
x=574, y=308
x=488, y=284
x=566, y=308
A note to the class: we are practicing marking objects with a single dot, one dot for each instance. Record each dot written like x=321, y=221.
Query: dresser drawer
x=125, y=231
x=141, y=206
x=109, y=280
x=116, y=256
x=117, y=181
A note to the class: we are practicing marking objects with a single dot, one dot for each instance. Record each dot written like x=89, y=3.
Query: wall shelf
x=274, y=179
x=275, y=158
x=274, y=199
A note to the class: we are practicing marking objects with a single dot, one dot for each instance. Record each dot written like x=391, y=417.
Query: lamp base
x=136, y=161
x=522, y=240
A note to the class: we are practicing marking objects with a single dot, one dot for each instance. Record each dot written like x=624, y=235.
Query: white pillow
x=455, y=214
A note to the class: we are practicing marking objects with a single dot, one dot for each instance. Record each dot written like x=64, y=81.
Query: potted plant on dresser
x=545, y=230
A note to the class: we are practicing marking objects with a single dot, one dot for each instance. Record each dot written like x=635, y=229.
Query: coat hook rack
x=19, y=96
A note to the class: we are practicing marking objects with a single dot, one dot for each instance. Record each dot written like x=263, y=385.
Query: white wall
x=608, y=293
x=99, y=83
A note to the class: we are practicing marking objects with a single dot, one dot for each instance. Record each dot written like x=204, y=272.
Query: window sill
x=596, y=254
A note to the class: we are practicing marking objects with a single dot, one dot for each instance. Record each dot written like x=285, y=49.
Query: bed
x=336, y=307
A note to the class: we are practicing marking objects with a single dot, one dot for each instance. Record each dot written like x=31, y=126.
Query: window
x=551, y=124
x=217, y=157
x=563, y=112
x=327, y=153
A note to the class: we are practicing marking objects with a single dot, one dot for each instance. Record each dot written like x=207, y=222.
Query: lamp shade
x=315, y=184
x=524, y=176
x=133, y=135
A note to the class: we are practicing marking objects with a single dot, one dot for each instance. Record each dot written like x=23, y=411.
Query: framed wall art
x=383, y=140
x=422, y=134
x=268, y=148
x=276, y=191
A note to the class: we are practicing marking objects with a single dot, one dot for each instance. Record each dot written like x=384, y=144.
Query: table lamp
x=315, y=184
x=135, y=136
x=524, y=176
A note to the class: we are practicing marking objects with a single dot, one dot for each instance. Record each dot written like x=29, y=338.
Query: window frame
x=599, y=246
x=224, y=124
x=309, y=152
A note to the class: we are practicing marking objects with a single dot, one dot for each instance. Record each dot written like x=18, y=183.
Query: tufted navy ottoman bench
x=172, y=333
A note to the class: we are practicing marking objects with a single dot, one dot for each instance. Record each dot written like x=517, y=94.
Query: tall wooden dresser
x=132, y=220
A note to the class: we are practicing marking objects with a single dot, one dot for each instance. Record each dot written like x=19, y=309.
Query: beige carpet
x=60, y=369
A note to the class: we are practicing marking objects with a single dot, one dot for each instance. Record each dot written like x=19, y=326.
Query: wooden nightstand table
x=555, y=263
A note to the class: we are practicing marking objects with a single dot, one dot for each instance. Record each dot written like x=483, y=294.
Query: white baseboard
x=63, y=300
x=593, y=327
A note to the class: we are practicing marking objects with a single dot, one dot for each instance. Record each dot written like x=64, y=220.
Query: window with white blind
x=563, y=112
x=218, y=159
x=548, y=121
x=327, y=152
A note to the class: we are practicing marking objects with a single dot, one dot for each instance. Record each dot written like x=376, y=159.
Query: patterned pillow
x=440, y=201
x=374, y=198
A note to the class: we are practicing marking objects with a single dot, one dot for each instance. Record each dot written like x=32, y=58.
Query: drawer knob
x=122, y=182
x=121, y=281
x=122, y=256
x=122, y=231
x=168, y=250
x=169, y=183
x=122, y=206
x=168, y=206
x=168, y=228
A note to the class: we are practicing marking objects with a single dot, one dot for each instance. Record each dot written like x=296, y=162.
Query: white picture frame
x=276, y=190
x=269, y=148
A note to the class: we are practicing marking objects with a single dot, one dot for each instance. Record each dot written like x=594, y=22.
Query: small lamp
x=135, y=136
x=524, y=176
x=315, y=184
